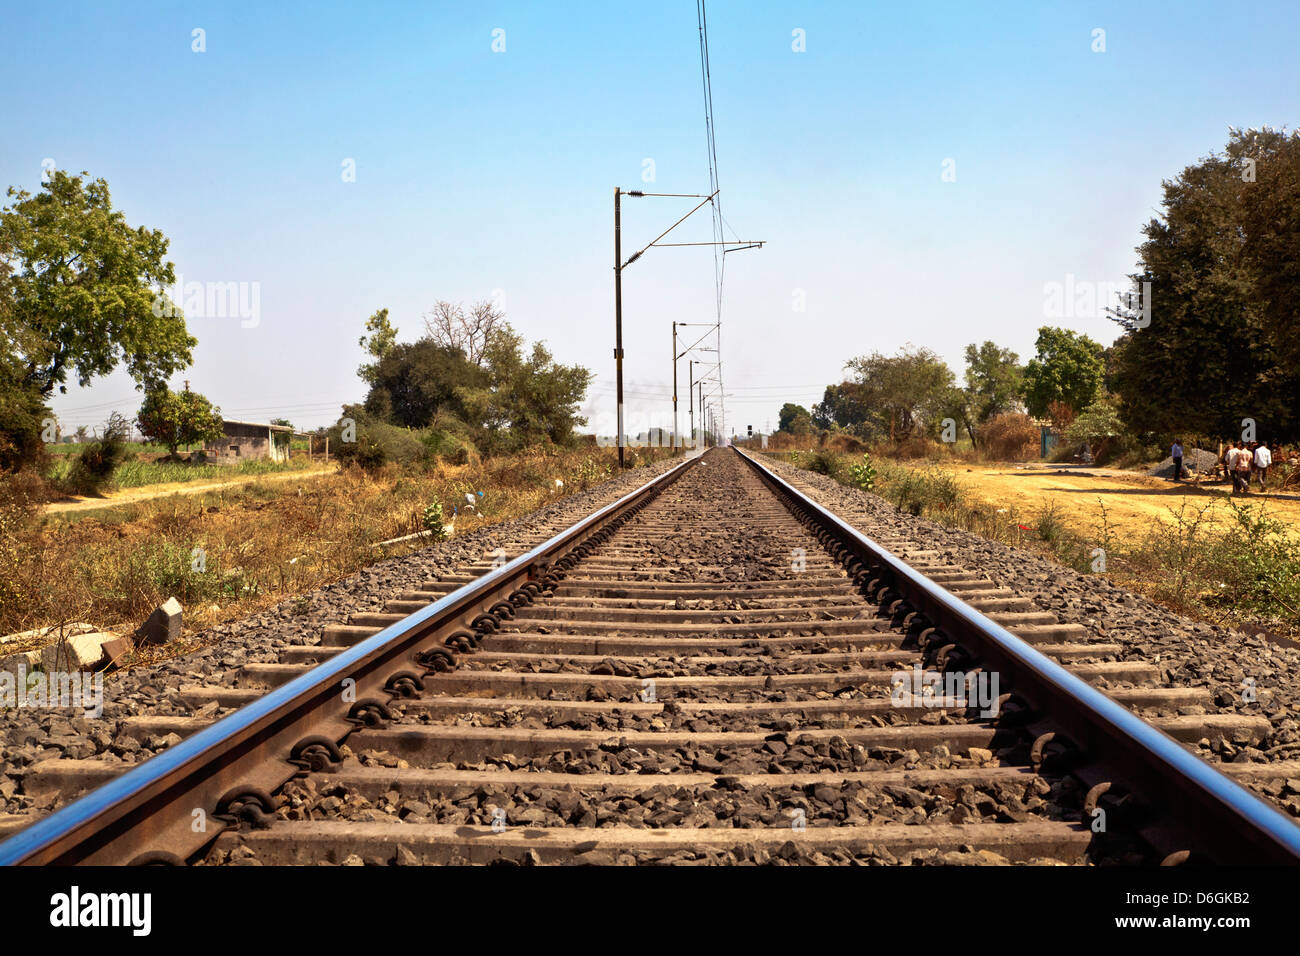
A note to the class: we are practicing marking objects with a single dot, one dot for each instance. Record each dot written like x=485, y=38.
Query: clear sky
x=482, y=173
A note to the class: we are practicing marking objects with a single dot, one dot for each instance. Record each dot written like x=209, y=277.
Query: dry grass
x=1212, y=558
x=229, y=553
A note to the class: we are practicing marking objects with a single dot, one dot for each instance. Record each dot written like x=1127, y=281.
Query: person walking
x=1263, y=459
x=1241, y=468
x=1177, y=452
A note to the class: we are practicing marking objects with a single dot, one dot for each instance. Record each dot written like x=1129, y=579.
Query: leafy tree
x=77, y=297
x=842, y=406
x=1067, y=371
x=178, y=418
x=79, y=287
x=994, y=380
x=1223, y=261
x=902, y=395
x=794, y=419
x=529, y=400
x=418, y=383
x=380, y=340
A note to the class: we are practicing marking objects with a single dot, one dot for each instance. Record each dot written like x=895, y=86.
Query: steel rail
x=163, y=810
x=1215, y=813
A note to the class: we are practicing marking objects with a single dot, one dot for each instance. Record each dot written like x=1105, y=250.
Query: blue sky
x=482, y=173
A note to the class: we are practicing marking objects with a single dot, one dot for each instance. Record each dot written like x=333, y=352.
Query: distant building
x=242, y=441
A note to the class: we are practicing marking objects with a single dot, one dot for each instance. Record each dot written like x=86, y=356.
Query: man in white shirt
x=1230, y=464
x=1263, y=458
x=1176, y=452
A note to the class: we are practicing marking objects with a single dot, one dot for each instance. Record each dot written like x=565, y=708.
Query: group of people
x=1240, y=461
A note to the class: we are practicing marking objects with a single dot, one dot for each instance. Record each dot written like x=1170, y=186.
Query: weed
x=432, y=520
x=863, y=475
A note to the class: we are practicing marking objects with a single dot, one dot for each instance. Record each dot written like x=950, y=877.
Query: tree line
x=82, y=293
x=1209, y=343
x=466, y=385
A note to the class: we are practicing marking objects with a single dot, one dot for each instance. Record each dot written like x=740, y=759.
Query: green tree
x=794, y=419
x=418, y=383
x=178, y=418
x=380, y=338
x=1223, y=263
x=78, y=295
x=80, y=289
x=1100, y=425
x=842, y=406
x=530, y=399
x=902, y=395
x=1067, y=371
x=994, y=380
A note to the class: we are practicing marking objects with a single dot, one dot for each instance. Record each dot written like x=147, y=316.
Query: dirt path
x=147, y=492
x=1132, y=501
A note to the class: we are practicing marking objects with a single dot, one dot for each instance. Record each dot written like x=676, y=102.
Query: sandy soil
x=146, y=492
x=1132, y=501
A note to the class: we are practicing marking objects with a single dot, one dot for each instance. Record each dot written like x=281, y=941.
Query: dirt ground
x=1132, y=501
x=146, y=492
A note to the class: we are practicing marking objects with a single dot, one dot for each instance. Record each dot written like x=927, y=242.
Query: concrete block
x=80, y=652
x=43, y=634
x=117, y=648
x=164, y=624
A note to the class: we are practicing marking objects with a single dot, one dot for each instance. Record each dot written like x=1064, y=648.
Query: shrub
x=588, y=473
x=432, y=520
x=841, y=442
x=863, y=475
x=377, y=443
x=825, y=463
x=1259, y=562
x=97, y=461
x=20, y=497
x=1011, y=436
x=922, y=446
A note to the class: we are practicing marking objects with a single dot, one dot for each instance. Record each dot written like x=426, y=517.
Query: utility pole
x=674, y=386
x=618, y=315
x=690, y=395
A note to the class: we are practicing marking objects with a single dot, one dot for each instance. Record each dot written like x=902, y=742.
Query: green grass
x=139, y=474
x=74, y=448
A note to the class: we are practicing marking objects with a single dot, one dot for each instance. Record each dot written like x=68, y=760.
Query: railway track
x=712, y=669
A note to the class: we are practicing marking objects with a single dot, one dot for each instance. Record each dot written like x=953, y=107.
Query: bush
x=20, y=498
x=863, y=475
x=1011, y=436
x=432, y=520
x=825, y=463
x=377, y=443
x=1259, y=562
x=922, y=446
x=97, y=461
x=841, y=442
x=587, y=474
x=22, y=417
